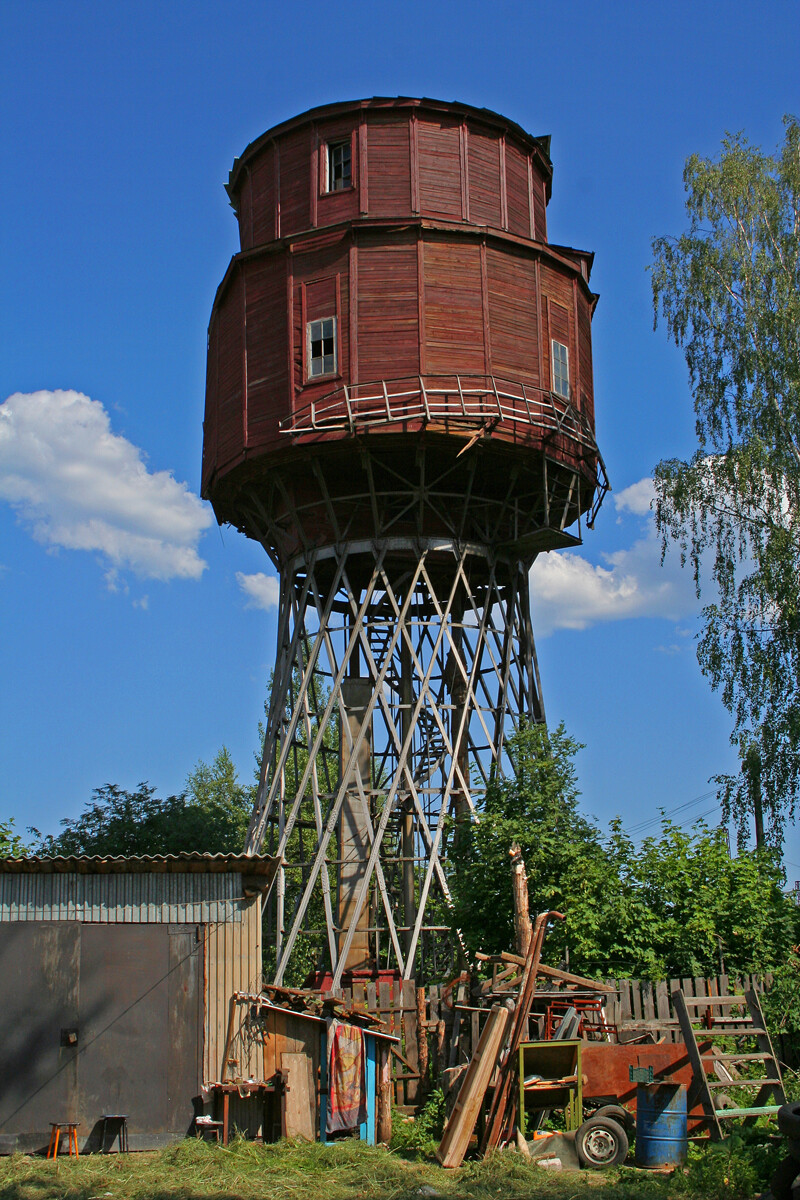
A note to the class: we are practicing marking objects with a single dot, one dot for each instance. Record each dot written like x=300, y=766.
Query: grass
x=350, y=1170
x=347, y=1171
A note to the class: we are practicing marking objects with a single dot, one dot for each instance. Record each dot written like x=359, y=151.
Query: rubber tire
x=793, y=1147
x=780, y=1185
x=789, y=1120
x=616, y=1112
x=601, y=1142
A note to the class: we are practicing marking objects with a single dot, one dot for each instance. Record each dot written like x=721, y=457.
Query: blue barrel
x=661, y=1124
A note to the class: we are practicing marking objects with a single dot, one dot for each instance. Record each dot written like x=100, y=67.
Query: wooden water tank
x=395, y=286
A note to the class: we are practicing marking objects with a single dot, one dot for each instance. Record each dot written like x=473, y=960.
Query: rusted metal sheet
x=606, y=1072
x=140, y=1028
x=99, y=1019
x=38, y=1054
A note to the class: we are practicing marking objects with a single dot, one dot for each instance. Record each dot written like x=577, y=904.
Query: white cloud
x=636, y=499
x=571, y=593
x=79, y=486
x=262, y=590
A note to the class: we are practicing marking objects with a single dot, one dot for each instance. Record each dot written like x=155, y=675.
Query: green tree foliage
x=11, y=844
x=679, y=904
x=563, y=853
x=696, y=908
x=211, y=816
x=729, y=292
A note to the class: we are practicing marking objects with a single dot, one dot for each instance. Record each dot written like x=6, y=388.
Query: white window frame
x=330, y=147
x=560, y=380
x=311, y=374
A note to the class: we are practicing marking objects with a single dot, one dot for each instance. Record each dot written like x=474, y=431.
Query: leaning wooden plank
x=590, y=985
x=502, y=1111
x=462, y=1120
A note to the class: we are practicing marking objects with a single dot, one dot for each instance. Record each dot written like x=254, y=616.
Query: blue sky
x=129, y=648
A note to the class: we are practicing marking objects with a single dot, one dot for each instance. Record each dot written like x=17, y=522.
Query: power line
x=647, y=824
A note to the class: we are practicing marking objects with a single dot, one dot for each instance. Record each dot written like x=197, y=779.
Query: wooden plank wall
x=452, y=1026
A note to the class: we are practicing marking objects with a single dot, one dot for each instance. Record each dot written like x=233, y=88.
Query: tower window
x=322, y=347
x=560, y=370
x=340, y=166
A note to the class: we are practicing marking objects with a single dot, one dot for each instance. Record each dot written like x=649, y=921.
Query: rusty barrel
x=661, y=1139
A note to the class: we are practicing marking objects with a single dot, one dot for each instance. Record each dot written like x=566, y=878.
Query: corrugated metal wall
x=233, y=964
x=183, y=899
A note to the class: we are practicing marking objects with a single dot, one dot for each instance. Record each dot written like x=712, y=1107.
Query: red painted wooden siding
x=439, y=168
x=433, y=262
x=267, y=398
x=388, y=327
x=453, y=308
x=512, y=315
x=519, y=220
x=295, y=168
x=388, y=158
x=484, y=178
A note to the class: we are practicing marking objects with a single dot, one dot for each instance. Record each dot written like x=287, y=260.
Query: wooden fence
x=639, y=1005
x=438, y=1026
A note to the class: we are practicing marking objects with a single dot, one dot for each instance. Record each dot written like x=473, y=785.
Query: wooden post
x=422, y=1044
x=408, y=1001
x=384, y=1130
x=441, y=1048
x=519, y=885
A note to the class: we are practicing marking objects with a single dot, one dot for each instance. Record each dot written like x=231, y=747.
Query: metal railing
x=477, y=403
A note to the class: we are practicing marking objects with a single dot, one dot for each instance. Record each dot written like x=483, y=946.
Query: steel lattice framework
x=405, y=660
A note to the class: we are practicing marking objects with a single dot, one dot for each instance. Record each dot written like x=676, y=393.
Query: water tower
x=399, y=408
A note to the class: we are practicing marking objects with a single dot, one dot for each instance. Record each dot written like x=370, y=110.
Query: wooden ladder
x=769, y=1085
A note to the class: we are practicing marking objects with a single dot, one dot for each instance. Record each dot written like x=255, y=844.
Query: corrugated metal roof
x=156, y=864
x=124, y=898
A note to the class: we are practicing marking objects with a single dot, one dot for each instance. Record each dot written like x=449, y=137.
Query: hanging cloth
x=347, y=1092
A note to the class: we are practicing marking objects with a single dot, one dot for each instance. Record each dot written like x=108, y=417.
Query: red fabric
x=347, y=1092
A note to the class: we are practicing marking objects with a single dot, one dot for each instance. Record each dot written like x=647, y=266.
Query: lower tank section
x=404, y=489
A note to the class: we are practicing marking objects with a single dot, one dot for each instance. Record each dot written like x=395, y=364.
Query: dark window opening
x=340, y=166
x=560, y=370
x=322, y=347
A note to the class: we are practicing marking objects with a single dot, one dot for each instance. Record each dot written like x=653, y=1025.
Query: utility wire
x=642, y=825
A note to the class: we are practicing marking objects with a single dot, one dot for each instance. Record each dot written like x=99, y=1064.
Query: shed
x=115, y=977
x=277, y=1056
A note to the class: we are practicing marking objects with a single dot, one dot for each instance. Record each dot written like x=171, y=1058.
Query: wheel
x=789, y=1120
x=617, y=1113
x=601, y=1142
x=780, y=1185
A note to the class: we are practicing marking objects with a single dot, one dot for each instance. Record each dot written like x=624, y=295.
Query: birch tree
x=728, y=291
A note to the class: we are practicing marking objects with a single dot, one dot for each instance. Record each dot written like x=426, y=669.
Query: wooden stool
x=56, y=1128
x=119, y=1129
x=205, y=1126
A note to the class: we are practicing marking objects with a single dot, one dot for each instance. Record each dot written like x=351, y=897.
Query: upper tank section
x=395, y=279
x=396, y=158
